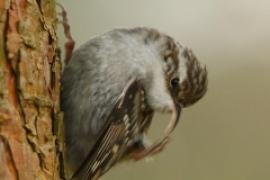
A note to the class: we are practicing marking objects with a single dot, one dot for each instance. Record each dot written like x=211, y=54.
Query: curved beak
x=175, y=118
x=159, y=145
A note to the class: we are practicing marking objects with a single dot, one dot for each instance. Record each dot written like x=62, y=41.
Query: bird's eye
x=175, y=82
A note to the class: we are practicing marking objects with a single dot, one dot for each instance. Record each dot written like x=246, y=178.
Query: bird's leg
x=143, y=151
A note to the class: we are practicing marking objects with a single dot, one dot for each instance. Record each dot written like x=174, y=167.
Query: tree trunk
x=29, y=90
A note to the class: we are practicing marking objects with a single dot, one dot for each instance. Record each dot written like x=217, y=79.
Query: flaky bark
x=29, y=90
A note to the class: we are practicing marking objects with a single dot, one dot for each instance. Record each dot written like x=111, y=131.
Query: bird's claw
x=150, y=151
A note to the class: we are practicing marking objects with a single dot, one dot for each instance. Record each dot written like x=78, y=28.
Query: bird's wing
x=115, y=138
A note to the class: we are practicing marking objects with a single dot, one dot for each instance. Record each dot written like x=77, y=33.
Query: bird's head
x=188, y=83
x=177, y=78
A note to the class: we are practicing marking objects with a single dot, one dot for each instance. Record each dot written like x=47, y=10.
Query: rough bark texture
x=29, y=90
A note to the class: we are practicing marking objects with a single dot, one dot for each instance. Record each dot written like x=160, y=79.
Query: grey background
x=226, y=135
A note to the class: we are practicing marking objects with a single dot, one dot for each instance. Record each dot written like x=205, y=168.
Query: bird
x=111, y=88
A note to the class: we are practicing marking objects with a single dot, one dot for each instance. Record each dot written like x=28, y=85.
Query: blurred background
x=226, y=136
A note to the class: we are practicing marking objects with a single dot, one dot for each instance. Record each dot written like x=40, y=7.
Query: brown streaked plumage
x=194, y=86
x=110, y=91
x=126, y=121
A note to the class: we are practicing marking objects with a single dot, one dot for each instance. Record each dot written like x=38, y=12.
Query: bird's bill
x=176, y=113
x=158, y=146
